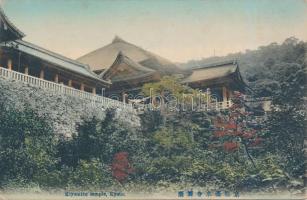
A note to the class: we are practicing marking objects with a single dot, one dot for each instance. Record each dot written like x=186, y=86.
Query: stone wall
x=64, y=111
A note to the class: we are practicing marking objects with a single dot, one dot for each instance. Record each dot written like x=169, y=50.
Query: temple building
x=29, y=59
x=119, y=68
x=128, y=76
x=129, y=67
x=221, y=78
x=102, y=58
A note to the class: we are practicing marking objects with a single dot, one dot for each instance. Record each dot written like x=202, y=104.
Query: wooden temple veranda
x=34, y=65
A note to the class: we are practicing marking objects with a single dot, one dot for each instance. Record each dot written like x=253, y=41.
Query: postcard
x=144, y=99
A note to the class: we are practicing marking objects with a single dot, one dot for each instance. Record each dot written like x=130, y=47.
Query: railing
x=215, y=105
x=56, y=87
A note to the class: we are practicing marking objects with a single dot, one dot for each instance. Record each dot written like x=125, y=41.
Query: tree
x=170, y=90
x=96, y=142
x=237, y=127
x=286, y=123
x=167, y=85
x=27, y=147
x=121, y=168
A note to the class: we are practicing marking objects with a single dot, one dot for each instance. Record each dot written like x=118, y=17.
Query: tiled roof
x=54, y=58
x=9, y=30
x=212, y=71
x=104, y=57
x=121, y=59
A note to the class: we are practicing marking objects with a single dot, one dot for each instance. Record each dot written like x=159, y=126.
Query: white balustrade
x=56, y=87
x=95, y=99
x=203, y=107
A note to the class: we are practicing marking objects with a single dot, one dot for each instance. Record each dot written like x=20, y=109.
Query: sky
x=175, y=29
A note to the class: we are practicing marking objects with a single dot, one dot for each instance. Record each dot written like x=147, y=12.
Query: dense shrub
x=27, y=147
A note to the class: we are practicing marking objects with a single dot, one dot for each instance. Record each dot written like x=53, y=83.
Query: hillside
x=259, y=67
x=64, y=111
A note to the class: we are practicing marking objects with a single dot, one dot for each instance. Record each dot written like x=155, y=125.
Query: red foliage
x=219, y=133
x=257, y=141
x=120, y=166
x=231, y=125
x=230, y=146
x=218, y=123
x=238, y=132
x=234, y=124
x=247, y=135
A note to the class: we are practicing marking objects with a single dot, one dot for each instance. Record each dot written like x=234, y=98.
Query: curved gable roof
x=213, y=71
x=123, y=60
x=104, y=57
x=8, y=31
x=53, y=58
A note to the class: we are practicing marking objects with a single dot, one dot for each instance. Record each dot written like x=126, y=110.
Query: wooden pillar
x=224, y=94
x=94, y=90
x=124, y=97
x=9, y=64
x=27, y=70
x=224, y=104
x=82, y=87
x=70, y=83
x=208, y=95
x=42, y=74
x=56, y=78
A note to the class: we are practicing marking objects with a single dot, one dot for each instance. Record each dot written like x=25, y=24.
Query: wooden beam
x=42, y=74
x=94, y=90
x=9, y=64
x=27, y=70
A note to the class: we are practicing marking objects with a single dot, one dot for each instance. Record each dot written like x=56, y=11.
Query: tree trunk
x=249, y=156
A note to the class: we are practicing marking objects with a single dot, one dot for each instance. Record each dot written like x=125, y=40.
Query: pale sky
x=177, y=30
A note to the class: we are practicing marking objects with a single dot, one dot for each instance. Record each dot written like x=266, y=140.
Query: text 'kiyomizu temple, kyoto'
x=119, y=68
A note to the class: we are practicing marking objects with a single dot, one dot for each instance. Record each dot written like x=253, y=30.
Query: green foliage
x=286, y=123
x=151, y=120
x=271, y=172
x=169, y=89
x=260, y=67
x=100, y=140
x=167, y=168
x=27, y=146
x=91, y=174
x=92, y=150
x=173, y=140
x=231, y=174
x=278, y=71
x=166, y=84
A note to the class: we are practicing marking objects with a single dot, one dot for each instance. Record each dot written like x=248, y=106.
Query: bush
x=27, y=146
